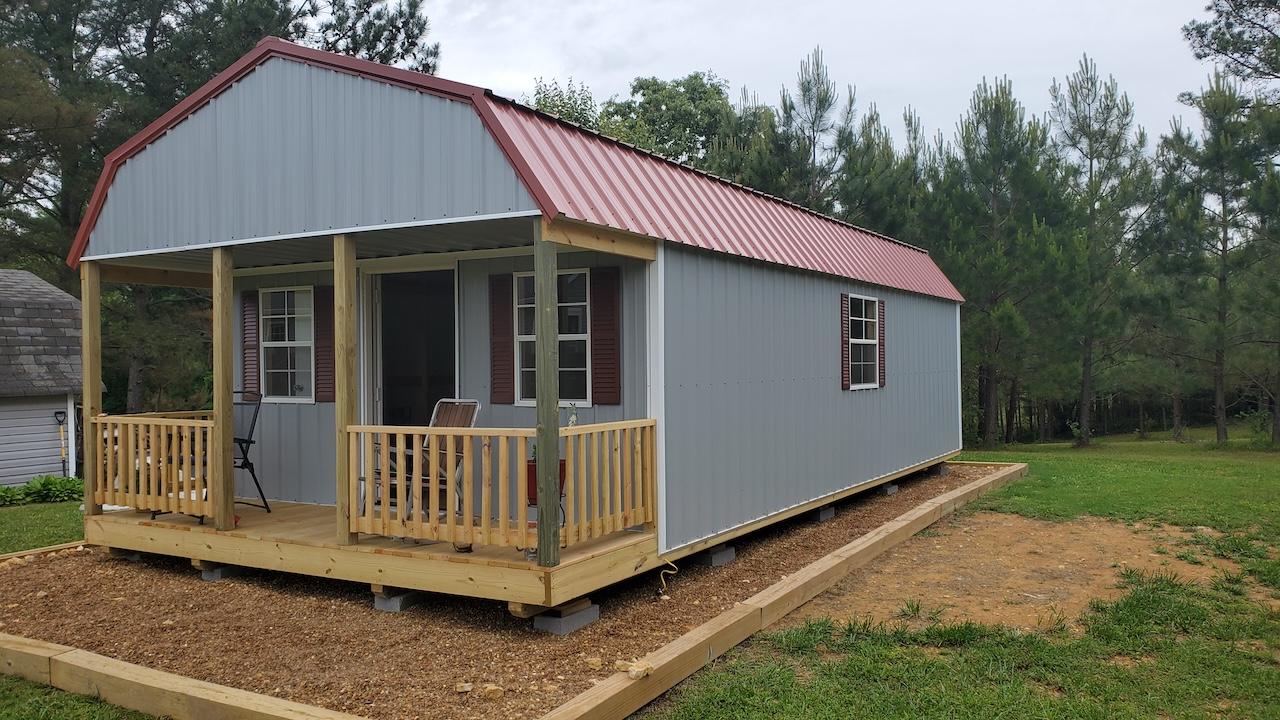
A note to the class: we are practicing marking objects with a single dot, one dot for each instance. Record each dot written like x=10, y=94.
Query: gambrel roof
x=581, y=175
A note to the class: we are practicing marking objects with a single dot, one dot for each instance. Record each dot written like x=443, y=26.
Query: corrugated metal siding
x=294, y=454
x=474, y=363
x=756, y=421
x=29, y=444
x=294, y=149
x=592, y=178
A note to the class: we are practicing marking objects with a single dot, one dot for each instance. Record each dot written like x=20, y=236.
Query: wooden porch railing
x=153, y=461
x=472, y=486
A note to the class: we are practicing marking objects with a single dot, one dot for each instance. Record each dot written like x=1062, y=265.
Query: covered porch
x=415, y=506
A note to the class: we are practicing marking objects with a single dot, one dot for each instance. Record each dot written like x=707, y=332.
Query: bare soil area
x=1002, y=569
x=321, y=642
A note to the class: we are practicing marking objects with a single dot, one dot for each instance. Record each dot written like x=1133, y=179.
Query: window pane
x=275, y=303
x=573, y=353
x=573, y=385
x=524, y=290
x=302, y=301
x=275, y=358
x=524, y=321
x=572, y=287
x=871, y=330
x=528, y=354
x=528, y=383
x=301, y=382
x=301, y=329
x=573, y=320
x=855, y=329
x=277, y=384
x=301, y=357
x=273, y=330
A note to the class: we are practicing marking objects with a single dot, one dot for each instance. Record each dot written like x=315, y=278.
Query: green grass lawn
x=32, y=526
x=22, y=700
x=1166, y=648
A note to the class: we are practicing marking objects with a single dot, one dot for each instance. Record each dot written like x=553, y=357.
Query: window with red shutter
x=863, y=354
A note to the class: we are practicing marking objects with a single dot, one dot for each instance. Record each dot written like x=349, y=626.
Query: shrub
x=12, y=495
x=51, y=488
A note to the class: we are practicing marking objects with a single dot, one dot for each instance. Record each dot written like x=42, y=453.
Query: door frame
x=371, y=332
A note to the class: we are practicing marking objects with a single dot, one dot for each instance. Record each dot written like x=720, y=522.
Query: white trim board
x=317, y=233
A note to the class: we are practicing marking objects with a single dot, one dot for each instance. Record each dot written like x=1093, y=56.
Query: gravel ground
x=320, y=641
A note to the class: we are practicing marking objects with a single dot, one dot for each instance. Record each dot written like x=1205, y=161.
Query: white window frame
x=264, y=344
x=875, y=342
x=515, y=318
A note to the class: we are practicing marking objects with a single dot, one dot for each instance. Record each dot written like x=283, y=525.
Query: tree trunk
x=1011, y=414
x=1178, y=430
x=1275, y=420
x=1220, y=338
x=137, y=362
x=1142, y=420
x=1085, y=418
x=988, y=398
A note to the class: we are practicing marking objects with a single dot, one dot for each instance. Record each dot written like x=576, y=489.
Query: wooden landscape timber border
x=43, y=550
x=619, y=695
x=149, y=691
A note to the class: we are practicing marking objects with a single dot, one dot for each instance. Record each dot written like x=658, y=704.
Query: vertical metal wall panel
x=295, y=149
x=756, y=421
x=473, y=365
x=29, y=442
x=294, y=453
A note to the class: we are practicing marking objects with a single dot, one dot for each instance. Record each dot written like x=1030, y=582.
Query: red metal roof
x=587, y=177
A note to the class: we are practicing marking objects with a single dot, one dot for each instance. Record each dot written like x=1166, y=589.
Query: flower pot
x=531, y=480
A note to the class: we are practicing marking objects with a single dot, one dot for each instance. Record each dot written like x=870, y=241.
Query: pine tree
x=1221, y=165
x=996, y=190
x=1109, y=177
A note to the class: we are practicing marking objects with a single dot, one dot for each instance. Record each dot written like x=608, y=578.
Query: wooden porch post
x=547, y=328
x=91, y=375
x=344, y=350
x=221, y=471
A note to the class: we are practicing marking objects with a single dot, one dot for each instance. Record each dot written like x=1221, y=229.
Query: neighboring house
x=373, y=237
x=39, y=377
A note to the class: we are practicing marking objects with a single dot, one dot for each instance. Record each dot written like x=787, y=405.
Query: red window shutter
x=880, y=338
x=322, y=304
x=250, y=356
x=606, y=336
x=845, y=379
x=502, y=340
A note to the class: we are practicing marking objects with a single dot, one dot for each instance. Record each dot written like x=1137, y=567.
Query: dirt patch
x=1006, y=569
x=321, y=642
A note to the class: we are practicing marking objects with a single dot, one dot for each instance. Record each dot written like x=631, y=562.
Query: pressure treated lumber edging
x=143, y=689
x=42, y=550
x=618, y=695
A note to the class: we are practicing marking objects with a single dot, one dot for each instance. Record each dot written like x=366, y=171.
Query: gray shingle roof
x=39, y=337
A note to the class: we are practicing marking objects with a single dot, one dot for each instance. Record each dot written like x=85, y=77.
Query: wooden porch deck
x=299, y=538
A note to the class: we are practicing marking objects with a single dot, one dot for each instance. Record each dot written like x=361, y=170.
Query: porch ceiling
x=451, y=237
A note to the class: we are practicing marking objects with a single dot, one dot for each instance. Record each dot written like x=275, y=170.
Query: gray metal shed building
x=756, y=357
x=39, y=377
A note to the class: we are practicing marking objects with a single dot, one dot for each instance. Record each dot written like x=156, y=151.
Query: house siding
x=298, y=150
x=756, y=421
x=29, y=443
x=294, y=454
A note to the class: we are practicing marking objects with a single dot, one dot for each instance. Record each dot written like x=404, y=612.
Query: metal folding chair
x=247, y=405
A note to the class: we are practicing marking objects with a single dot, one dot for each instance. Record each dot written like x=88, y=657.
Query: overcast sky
x=929, y=54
